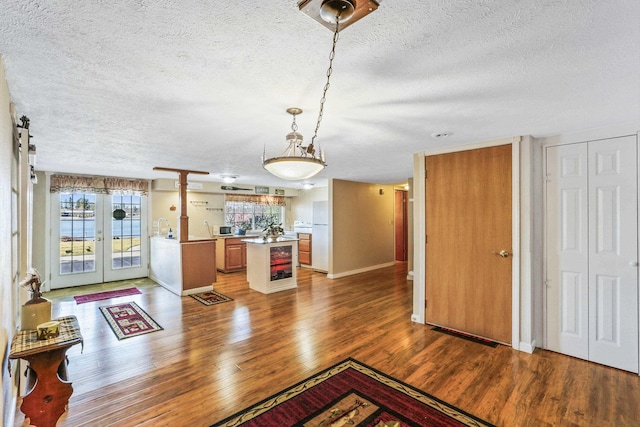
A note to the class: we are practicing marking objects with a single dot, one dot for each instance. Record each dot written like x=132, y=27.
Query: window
x=253, y=212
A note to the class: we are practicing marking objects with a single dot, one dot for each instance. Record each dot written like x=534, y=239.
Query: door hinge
x=426, y=174
x=425, y=304
x=426, y=239
x=547, y=283
x=547, y=178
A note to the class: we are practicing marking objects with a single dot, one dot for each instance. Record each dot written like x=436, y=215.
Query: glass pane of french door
x=125, y=238
x=76, y=243
x=97, y=238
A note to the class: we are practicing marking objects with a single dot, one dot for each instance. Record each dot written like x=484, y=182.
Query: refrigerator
x=320, y=239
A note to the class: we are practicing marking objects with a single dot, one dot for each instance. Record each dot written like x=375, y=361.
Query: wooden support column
x=182, y=198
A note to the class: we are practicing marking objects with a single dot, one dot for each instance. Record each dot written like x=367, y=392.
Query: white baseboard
x=528, y=347
x=359, y=270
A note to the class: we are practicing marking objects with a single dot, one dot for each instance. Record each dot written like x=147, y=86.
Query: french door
x=97, y=238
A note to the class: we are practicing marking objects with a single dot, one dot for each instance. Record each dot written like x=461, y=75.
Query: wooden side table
x=48, y=390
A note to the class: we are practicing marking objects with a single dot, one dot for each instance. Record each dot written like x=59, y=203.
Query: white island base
x=183, y=268
x=271, y=266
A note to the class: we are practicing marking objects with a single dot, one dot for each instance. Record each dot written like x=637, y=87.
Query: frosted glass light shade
x=294, y=168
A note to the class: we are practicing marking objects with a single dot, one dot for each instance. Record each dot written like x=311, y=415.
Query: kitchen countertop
x=261, y=241
x=235, y=236
x=191, y=239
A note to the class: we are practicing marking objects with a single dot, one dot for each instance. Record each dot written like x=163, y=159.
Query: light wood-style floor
x=210, y=362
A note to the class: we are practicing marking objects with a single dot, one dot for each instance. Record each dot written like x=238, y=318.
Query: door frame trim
x=420, y=233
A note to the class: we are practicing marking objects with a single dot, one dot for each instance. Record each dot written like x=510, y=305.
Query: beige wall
x=206, y=207
x=8, y=249
x=362, y=233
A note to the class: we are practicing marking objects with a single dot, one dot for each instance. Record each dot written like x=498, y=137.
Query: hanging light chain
x=332, y=55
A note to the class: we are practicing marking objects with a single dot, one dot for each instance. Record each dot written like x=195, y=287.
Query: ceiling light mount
x=342, y=10
x=318, y=9
x=228, y=179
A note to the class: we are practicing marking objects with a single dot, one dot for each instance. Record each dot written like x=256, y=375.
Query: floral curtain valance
x=99, y=185
x=258, y=200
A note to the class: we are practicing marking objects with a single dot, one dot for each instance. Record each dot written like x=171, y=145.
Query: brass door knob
x=502, y=253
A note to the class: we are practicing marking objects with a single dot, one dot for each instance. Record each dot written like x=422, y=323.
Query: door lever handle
x=502, y=253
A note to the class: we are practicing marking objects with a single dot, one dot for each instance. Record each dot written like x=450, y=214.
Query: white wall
x=302, y=206
x=8, y=251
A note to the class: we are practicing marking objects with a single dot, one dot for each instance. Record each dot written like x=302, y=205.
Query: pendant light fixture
x=299, y=161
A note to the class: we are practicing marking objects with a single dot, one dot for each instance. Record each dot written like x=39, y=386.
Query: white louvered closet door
x=592, y=255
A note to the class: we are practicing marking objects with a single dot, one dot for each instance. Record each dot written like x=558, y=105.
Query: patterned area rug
x=81, y=299
x=351, y=393
x=128, y=320
x=210, y=297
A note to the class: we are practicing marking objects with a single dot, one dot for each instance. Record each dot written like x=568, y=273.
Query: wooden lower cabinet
x=304, y=249
x=231, y=254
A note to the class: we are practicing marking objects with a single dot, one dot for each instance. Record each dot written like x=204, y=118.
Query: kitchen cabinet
x=304, y=249
x=231, y=254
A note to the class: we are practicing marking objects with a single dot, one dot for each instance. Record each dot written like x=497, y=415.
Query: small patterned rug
x=356, y=395
x=210, y=297
x=128, y=320
x=81, y=299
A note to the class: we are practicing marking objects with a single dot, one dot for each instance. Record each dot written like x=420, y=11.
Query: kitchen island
x=184, y=268
x=271, y=265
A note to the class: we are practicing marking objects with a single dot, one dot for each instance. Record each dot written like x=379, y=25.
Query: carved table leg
x=46, y=402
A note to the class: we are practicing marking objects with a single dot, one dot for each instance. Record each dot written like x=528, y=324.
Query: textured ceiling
x=118, y=87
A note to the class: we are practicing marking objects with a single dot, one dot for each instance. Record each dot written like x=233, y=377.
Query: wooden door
x=400, y=224
x=468, y=223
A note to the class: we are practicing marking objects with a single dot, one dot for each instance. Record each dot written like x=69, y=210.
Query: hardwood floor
x=211, y=361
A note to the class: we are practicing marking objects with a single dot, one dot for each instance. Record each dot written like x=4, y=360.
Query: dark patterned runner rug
x=81, y=299
x=128, y=320
x=210, y=297
x=351, y=393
